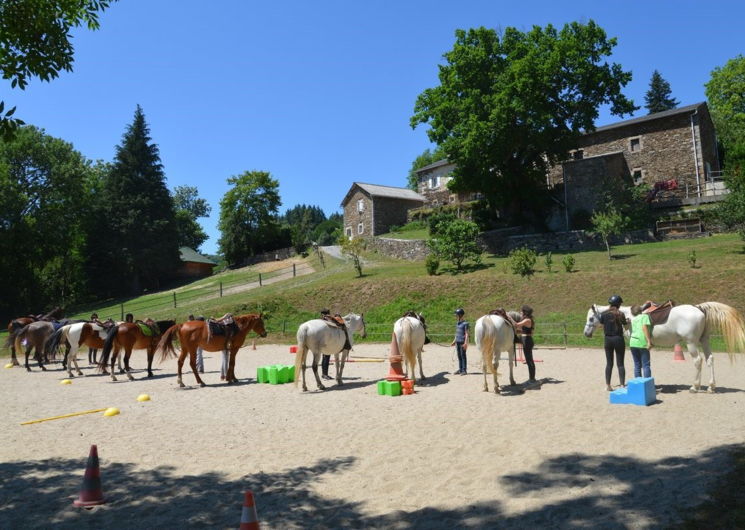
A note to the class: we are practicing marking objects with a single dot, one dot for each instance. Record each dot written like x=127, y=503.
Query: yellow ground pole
x=64, y=416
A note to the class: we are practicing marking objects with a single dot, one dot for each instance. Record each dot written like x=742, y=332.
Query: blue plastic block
x=639, y=391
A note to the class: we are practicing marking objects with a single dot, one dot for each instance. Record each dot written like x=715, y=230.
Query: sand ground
x=450, y=456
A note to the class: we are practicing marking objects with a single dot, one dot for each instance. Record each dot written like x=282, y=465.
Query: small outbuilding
x=194, y=265
x=370, y=209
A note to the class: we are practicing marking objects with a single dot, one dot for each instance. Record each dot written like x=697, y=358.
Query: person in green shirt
x=641, y=341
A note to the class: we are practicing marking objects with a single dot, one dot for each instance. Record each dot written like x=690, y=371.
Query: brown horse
x=130, y=336
x=35, y=336
x=15, y=325
x=195, y=334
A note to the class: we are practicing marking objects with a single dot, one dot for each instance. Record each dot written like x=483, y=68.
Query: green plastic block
x=262, y=374
x=278, y=374
x=389, y=388
x=290, y=373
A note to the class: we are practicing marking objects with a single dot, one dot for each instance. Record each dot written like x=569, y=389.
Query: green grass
x=421, y=233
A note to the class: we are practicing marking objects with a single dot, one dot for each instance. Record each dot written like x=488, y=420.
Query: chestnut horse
x=130, y=336
x=195, y=334
x=19, y=323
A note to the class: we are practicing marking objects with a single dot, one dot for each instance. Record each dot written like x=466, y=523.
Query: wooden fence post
x=565, y=336
x=174, y=299
x=293, y=270
x=259, y=279
x=121, y=306
x=220, y=289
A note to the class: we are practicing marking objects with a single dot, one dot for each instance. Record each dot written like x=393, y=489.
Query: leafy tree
x=608, y=223
x=353, y=248
x=329, y=231
x=45, y=197
x=657, y=98
x=726, y=94
x=426, y=158
x=248, y=216
x=35, y=42
x=139, y=246
x=302, y=220
x=456, y=243
x=510, y=106
x=189, y=207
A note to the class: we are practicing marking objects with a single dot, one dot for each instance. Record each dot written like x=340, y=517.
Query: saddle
x=222, y=326
x=420, y=318
x=502, y=313
x=658, y=314
x=335, y=321
x=149, y=327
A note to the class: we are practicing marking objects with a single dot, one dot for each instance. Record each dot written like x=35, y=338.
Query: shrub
x=438, y=221
x=432, y=264
x=692, y=258
x=456, y=243
x=522, y=261
x=568, y=262
x=549, y=261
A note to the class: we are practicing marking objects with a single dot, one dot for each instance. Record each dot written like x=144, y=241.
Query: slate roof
x=391, y=192
x=191, y=255
x=650, y=117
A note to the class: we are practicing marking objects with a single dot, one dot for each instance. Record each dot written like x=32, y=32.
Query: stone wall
x=408, y=249
x=388, y=211
x=272, y=255
x=353, y=217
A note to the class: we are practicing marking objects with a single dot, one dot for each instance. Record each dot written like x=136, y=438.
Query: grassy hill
x=388, y=287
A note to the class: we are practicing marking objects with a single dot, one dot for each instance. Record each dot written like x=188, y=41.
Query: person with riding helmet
x=461, y=341
x=613, y=322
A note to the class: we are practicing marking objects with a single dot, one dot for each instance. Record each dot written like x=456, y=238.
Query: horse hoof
x=321, y=387
x=693, y=390
x=711, y=389
x=150, y=374
x=203, y=385
x=182, y=385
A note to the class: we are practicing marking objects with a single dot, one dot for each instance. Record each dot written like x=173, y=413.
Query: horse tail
x=54, y=340
x=166, y=342
x=489, y=330
x=408, y=351
x=108, y=345
x=727, y=319
x=16, y=336
x=302, y=351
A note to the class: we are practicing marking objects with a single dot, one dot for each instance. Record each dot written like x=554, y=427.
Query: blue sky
x=320, y=93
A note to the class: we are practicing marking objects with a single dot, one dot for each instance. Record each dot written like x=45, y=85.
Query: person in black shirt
x=613, y=322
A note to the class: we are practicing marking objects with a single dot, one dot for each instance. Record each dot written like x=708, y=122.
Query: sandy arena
x=450, y=456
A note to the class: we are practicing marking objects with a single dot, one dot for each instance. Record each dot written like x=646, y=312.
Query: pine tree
x=658, y=97
x=140, y=243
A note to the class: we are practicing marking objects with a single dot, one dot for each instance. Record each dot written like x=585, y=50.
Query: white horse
x=493, y=336
x=76, y=335
x=692, y=324
x=409, y=333
x=321, y=337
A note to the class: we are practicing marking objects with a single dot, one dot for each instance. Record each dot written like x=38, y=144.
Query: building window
x=578, y=154
x=360, y=205
x=349, y=232
x=360, y=228
x=638, y=176
x=434, y=182
x=635, y=144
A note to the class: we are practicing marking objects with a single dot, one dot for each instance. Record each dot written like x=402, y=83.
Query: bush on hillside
x=522, y=261
x=456, y=243
x=432, y=264
x=568, y=262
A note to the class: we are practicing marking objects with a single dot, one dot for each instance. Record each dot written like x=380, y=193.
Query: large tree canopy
x=190, y=207
x=138, y=244
x=248, y=216
x=35, y=41
x=508, y=107
x=45, y=196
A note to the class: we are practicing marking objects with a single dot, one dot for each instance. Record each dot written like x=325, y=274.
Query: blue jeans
x=641, y=362
x=461, y=351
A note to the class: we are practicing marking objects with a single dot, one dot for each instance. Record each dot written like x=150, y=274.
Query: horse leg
x=697, y=361
x=710, y=363
x=181, y=358
x=114, y=356
x=421, y=369
x=13, y=358
x=319, y=384
x=231, y=366
x=150, y=355
x=495, y=366
x=340, y=369
x=127, y=354
x=28, y=353
x=485, y=369
x=512, y=357
x=40, y=359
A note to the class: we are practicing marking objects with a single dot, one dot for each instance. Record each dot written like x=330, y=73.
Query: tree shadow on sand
x=594, y=491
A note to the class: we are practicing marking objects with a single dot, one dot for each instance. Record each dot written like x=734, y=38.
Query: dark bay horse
x=195, y=334
x=36, y=335
x=19, y=323
x=129, y=336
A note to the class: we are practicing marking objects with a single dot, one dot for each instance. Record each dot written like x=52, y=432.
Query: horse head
x=253, y=322
x=593, y=321
x=356, y=323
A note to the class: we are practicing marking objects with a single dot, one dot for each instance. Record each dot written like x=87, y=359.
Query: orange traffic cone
x=396, y=373
x=249, y=519
x=91, y=494
x=678, y=353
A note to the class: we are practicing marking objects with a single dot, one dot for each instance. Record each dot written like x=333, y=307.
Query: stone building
x=370, y=209
x=432, y=183
x=675, y=148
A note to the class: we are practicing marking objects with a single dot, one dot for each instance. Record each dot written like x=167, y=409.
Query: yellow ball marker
x=111, y=411
x=9, y=365
x=143, y=397
x=65, y=382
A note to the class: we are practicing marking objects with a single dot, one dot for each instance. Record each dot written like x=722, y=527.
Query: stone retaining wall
x=408, y=249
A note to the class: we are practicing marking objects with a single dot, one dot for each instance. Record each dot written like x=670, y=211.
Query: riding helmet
x=460, y=312
x=615, y=300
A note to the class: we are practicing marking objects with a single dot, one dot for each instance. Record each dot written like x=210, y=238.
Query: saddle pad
x=147, y=330
x=659, y=316
x=215, y=328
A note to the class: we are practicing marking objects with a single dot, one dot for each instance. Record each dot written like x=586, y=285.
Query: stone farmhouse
x=370, y=210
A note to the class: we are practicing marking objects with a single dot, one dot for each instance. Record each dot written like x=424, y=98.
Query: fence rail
x=176, y=298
